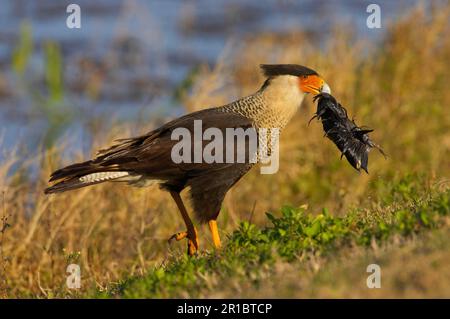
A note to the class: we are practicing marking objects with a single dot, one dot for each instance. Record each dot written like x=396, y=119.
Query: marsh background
x=134, y=65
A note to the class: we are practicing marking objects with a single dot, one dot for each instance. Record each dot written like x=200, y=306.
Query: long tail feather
x=85, y=180
x=78, y=169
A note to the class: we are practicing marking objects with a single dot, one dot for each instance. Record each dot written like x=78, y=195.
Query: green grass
x=293, y=236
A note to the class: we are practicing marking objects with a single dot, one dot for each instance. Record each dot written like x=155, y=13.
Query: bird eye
x=304, y=77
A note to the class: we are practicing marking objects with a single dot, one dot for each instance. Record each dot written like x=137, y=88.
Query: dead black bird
x=353, y=141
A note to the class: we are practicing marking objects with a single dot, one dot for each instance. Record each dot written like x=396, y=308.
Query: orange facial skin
x=311, y=83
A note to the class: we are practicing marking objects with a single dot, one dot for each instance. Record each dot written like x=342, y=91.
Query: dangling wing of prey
x=353, y=141
x=149, y=155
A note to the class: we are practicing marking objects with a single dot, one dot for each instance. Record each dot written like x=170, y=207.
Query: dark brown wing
x=208, y=183
x=150, y=154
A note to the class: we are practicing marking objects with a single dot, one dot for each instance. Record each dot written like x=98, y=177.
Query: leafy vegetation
x=294, y=235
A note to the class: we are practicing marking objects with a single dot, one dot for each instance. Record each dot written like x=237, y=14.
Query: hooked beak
x=314, y=84
x=325, y=88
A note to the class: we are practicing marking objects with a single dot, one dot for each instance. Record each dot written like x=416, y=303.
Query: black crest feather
x=353, y=141
x=286, y=69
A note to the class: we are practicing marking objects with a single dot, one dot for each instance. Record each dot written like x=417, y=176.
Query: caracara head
x=295, y=77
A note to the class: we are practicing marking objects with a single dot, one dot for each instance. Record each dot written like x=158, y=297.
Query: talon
x=178, y=236
x=192, y=246
x=192, y=243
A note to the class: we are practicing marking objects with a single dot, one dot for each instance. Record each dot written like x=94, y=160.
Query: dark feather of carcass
x=353, y=141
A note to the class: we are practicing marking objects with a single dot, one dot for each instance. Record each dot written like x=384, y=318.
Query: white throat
x=283, y=97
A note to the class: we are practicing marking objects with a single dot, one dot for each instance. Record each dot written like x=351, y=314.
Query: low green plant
x=293, y=234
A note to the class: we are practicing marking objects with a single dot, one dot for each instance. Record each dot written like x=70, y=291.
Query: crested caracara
x=146, y=159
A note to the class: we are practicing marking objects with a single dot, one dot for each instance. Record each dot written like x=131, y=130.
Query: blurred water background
x=131, y=58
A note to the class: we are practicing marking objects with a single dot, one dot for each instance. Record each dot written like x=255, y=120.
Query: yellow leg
x=191, y=232
x=215, y=233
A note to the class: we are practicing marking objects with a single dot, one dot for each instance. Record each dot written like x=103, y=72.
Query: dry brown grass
x=398, y=88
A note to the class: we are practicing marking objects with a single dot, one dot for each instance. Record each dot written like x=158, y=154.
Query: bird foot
x=192, y=247
x=178, y=236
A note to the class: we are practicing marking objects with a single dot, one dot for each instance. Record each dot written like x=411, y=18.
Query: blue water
x=154, y=42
